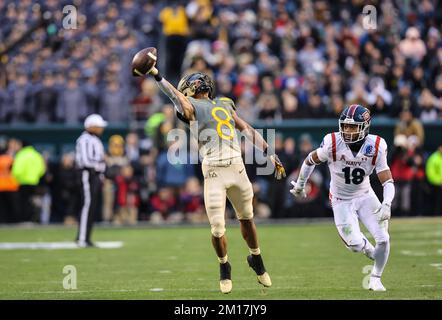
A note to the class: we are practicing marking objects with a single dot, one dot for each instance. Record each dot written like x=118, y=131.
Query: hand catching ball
x=144, y=61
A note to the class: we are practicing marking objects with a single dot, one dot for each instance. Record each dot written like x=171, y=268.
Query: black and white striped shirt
x=89, y=153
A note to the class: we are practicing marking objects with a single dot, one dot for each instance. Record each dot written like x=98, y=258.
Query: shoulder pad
x=228, y=101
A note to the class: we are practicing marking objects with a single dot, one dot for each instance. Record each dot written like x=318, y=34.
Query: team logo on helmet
x=366, y=115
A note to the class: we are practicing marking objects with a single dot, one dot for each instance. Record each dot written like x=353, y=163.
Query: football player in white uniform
x=352, y=154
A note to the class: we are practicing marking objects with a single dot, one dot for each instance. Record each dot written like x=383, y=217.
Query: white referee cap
x=94, y=120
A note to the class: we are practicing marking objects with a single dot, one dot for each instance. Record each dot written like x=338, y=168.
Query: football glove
x=279, y=168
x=156, y=74
x=297, y=191
x=153, y=71
x=384, y=212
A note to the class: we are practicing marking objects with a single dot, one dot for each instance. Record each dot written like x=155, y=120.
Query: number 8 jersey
x=214, y=129
x=350, y=173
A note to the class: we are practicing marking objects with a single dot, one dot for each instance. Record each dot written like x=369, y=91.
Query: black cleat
x=255, y=262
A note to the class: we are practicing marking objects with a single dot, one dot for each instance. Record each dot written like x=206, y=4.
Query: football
x=143, y=61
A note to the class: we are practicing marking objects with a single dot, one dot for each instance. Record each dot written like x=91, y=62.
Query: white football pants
x=347, y=214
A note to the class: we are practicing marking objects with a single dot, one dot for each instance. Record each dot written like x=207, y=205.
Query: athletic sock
x=225, y=271
x=255, y=252
x=255, y=261
x=381, y=254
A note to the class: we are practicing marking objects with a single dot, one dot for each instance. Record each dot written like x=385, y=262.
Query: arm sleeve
x=381, y=161
x=168, y=91
x=389, y=192
x=325, y=149
x=304, y=174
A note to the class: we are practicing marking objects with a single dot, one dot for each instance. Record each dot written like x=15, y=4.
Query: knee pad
x=218, y=227
x=383, y=237
x=247, y=214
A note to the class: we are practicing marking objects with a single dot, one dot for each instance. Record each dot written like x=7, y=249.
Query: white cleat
x=376, y=284
x=225, y=286
x=265, y=280
x=257, y=265
x=225, y=273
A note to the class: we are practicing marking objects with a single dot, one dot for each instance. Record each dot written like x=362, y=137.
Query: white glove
x=297, y=191
x=153, y=71
x=384, y=212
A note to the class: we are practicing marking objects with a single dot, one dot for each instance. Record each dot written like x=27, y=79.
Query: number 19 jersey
x=350, y=173
x=216, y=134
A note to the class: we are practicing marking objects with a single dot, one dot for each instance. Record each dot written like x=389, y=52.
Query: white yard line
x=420, y=253
x=146, y=290
x=56, y=245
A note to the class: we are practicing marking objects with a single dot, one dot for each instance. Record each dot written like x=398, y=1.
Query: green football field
x=305, y=261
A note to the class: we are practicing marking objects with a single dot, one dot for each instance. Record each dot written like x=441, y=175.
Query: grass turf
x=305, y=261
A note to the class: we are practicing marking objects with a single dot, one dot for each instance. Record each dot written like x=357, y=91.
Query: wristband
x=158, y=77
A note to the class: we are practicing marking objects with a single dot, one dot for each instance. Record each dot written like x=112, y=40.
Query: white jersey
x=349, y=173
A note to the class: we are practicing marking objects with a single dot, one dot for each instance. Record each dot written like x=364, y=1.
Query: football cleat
x=255, y=262
x=225, y=286
x=225, y=282
x=376, y=284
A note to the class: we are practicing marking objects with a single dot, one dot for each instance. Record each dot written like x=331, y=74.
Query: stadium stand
x=280, y=61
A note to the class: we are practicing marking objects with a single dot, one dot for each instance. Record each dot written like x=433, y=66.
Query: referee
x=89, y=160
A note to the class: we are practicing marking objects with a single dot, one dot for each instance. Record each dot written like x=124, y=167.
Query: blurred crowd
x=277, y=60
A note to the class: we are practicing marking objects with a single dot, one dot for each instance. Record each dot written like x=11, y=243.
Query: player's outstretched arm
x=179, y=100
x=308, y=165
x=249, y=132
x=254, y=136
x=386, y=179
